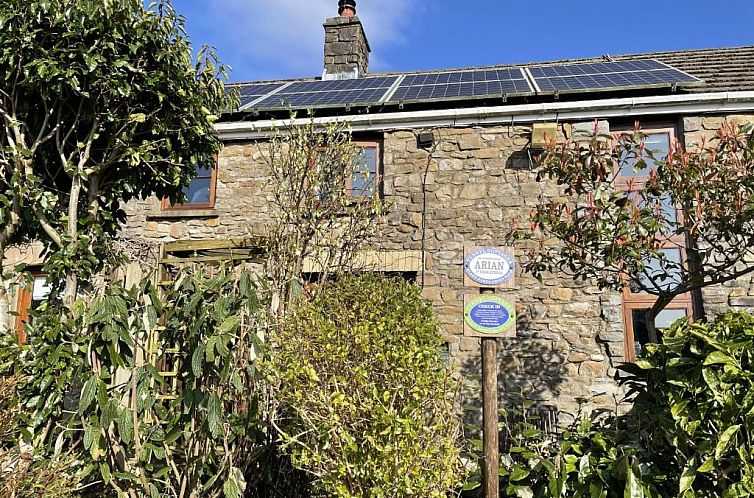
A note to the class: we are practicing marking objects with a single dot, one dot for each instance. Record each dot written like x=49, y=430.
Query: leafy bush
x=365, y=399
x=695, y=393
x=688, y=434
x=21, y=475
x=595, y=457
x=86, y=384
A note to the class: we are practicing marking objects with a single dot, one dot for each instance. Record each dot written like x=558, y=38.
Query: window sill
x=183, y=213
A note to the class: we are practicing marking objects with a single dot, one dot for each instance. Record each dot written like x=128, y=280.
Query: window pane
x=641, y=336
x=198, y=191
x=40, y=292
x=663, y=320
x=658, y=143
x=327, y=178
x=661, y=274
x=41, y=289
x=664, y=205
x=364, y=179
x=203, y=172
x=666, y=318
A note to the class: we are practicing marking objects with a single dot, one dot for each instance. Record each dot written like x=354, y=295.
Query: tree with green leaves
x=100, y=103
x=616, y=232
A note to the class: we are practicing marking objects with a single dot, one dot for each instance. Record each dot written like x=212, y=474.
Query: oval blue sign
x=490, y=314
x=489, y=266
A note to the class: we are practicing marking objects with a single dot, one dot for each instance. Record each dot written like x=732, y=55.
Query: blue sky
x=265, y=39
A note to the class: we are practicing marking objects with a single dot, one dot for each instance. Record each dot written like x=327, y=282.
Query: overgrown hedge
x=688, y=434
x=366, y=400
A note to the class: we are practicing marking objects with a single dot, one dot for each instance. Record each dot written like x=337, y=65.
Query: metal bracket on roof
x=531, y=80
x=260, y=99
x=674, y=87
x=400, y=105
x=391, y=91
x=557, y=95
x=505, y=97
x=348, y=107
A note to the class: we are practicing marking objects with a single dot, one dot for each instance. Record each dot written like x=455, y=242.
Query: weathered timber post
x=490, y=431
x=490, y=317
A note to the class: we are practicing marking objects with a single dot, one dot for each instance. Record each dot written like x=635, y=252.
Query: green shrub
x=366, y=402
x=595, y=457
x=688, y=434
x=695, y=392
x=85, y=384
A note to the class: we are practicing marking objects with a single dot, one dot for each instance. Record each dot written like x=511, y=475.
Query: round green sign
x=490, y=315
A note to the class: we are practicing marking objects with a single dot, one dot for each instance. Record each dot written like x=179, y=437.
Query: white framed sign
x=489, y=267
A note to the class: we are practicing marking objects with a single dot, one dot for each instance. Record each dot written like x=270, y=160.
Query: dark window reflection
x=199, y=190
x=663, y=320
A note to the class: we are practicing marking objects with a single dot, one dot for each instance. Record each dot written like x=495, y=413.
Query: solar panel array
x=465, y=84
x=462, y=84
x=330, y=93
x=645, y=73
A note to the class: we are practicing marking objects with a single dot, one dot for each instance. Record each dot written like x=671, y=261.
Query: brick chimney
x=346, y=45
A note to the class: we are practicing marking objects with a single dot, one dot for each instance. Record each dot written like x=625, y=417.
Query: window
x=637, y=303
x=29, y=299
x=200, y=193
x=365, y=178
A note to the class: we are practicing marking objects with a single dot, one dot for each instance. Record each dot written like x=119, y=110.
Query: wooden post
x=490, y=432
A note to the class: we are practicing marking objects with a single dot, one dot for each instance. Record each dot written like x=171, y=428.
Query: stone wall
x=467, y=191
x=475, y=182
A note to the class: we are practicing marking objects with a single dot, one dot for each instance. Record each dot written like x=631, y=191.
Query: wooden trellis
x=166, y=358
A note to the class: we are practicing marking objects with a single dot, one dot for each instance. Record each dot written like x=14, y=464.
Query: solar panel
x=620, y=75
x=330, y=93
x=252, y=92
x=462, y=84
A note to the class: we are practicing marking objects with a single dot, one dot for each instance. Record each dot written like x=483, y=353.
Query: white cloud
x=283, y=38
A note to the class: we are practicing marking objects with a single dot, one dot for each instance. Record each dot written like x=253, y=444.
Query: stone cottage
x=452, y=152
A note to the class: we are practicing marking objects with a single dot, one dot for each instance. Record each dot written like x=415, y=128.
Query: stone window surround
x=166, y=207
x=634, y=301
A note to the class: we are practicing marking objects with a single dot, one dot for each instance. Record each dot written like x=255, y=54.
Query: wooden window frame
x=23, y=305
x=377, y=170
x=166, y=206
x=636, y=301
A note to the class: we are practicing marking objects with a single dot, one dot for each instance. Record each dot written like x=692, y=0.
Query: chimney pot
x=347, y=8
